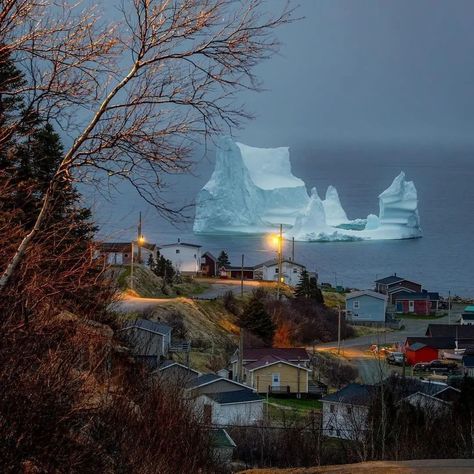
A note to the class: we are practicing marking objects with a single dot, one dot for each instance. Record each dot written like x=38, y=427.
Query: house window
x=177, y=250
x=349, y=410
x=332, y=408
x=356, y=304
x=194, y=255
x=295, y=270
x=338, y=433
x=276, y=270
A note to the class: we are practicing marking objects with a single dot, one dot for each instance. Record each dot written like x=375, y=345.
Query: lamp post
x=140, y=242
x=277, y=241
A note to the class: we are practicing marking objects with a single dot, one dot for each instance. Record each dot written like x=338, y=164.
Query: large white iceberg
x=252, y=190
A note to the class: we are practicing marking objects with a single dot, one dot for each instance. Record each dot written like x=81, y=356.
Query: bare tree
x=150, y=86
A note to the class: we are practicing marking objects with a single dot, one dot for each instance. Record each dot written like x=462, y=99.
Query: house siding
x=184, y=259
x=231, y=413
x=291, y=273
x=261, y=379
x=146, y=343
x=343, y=420
x=370, y=308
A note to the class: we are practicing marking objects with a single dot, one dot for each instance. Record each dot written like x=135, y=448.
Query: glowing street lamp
x=140, y=242
x=276, y=240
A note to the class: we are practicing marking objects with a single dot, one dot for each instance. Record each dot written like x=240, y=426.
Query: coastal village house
x=394, y=284
x=415, y=303
x=120, y=253
x=345, y=412
x=294, y=355
x=274, y=375
x=186, y=258
x=366, y=306
x=223, y=401
x=269, y=270
x=419, y=352
x=467, y=316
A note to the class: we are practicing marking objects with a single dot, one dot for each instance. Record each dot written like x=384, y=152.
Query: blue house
x=366, y=306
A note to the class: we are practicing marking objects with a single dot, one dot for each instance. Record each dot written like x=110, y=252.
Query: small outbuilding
x=419, y=352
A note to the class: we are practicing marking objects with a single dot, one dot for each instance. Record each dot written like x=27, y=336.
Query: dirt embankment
x=425, y=466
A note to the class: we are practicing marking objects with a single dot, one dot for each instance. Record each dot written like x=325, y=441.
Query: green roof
x=469, y=309
x=221, y=439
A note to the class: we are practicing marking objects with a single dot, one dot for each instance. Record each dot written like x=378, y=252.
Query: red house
x=419, y=352
x=417, y=303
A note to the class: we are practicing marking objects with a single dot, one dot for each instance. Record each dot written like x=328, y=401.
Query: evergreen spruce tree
x=223, y=260
x=315, y=292
x=256, y=319
x=303, y=288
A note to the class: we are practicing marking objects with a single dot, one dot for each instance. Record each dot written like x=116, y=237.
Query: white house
x=186, y=258
x=345, y=412
x=290, y=271
x=242, y=407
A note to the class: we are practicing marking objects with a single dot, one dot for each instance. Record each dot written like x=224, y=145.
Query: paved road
x=370, y=368
x=217, y=288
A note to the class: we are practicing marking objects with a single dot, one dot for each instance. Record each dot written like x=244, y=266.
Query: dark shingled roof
x=354, y=394
x=203, y=379
x=406, y=295
x=389, y=280
x=461, y=331
x=434, y=342
x=468, y=316
x=417, y=346
x=152, y=326
x=239, y=396
x=468, y=361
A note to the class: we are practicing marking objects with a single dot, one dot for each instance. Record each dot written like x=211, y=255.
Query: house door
x=399, y=307
x=275, y=380
x=207, y=414
x=411, y=306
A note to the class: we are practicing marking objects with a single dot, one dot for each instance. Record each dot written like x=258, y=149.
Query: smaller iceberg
x=326, y=220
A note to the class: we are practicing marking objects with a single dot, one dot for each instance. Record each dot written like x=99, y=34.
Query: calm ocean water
x=442, y=260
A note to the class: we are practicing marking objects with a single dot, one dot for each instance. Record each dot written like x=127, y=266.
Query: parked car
x=435, y=366
x=395, y=358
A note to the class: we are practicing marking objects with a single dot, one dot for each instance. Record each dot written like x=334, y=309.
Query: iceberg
x=253, y=190
x=335, y=214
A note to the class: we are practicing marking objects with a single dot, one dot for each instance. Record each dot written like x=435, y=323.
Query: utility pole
x=241, y=355
x=338, y=330
x=131, y=268
x=280, y=248
x=449, y=307
x=139, y=238
x=242, y=278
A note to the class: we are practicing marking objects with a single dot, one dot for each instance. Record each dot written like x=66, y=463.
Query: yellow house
x=275, y=375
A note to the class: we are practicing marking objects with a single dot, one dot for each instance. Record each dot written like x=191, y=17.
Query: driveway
x=218, y=288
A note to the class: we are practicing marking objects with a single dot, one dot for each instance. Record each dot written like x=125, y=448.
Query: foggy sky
x=376, y=71
x=390, y=73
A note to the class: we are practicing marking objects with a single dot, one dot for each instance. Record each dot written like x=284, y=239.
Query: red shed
x=417, y=303
x=419, y=352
